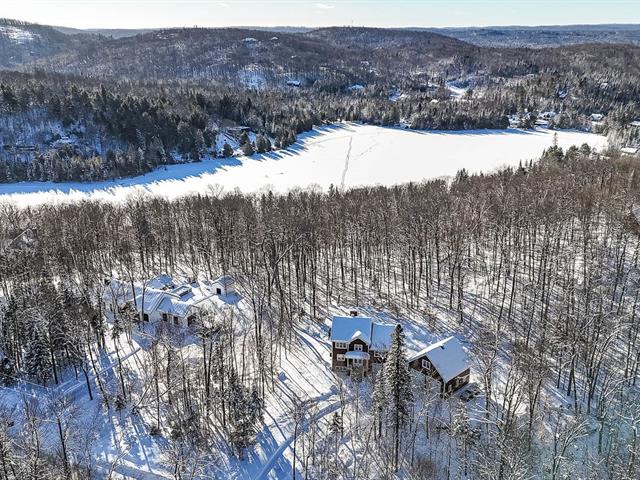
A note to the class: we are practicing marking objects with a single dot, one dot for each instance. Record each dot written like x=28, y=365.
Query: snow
x=381, y=336
x=347, y=329
x=17, y=35
x=252, y=77
x=344, y=155
x=447, y=356
x=356, y=355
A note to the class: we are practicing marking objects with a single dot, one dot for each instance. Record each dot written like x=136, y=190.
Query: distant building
x=596, y=117
x=446, y=361
x=293, y=83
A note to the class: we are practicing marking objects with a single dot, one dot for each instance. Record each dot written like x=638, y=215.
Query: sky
x=311, y=13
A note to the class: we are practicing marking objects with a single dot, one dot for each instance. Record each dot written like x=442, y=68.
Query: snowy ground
x=343, y=155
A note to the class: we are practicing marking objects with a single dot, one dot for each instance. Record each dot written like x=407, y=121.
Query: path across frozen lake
x=343, y=155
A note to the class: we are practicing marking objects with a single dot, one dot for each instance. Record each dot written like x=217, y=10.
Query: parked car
x=471, y=392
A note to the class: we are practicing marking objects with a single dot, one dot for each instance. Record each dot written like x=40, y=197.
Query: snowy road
x=343, y=155
x=263, y=474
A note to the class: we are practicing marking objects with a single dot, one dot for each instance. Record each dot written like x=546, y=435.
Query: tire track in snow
x=263, y=474
x=346, y=163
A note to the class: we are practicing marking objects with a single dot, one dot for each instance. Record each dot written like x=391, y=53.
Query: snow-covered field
x=343, y=155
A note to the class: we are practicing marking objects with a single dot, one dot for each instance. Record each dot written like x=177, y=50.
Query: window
x=218, y=291
x=340, y=357
x=145, y=317
x=342, y=345
x=165, y=318
x=176, y=320
x=357, y=348
x=357, y=362
x=426, y=364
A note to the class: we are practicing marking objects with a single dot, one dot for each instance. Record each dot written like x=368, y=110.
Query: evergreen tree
x=227, y=151
x=397, y=381
x=245, y=412
x=248, y=149
x=37, y=357
x=380, y=401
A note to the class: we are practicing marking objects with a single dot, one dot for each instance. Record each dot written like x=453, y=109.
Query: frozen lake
x=343, y=155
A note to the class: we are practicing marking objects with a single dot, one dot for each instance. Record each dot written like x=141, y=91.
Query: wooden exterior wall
x=446, y=389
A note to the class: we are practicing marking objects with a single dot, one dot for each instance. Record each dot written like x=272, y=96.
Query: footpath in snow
x=343, y=155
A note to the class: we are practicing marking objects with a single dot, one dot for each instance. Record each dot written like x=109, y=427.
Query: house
x=446, y=361
x=548, y=115
x=224, y=285
x=596, y=117
x=293, y=83
x=162, y=299
x=358, y=343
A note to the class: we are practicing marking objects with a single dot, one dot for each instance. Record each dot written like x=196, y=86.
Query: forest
x=536, y=266
x=86, y=107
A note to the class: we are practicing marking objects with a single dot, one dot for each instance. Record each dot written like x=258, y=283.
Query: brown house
x=358, y=343
x=446, y=361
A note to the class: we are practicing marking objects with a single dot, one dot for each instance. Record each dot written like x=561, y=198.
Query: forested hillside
x=537, y=267
x=88, y=107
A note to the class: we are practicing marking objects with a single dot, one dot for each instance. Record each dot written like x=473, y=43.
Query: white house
x=163, y=299
x=224, y=285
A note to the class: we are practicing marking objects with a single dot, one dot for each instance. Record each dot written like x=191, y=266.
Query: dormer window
x=357, y=348
x=426, y=364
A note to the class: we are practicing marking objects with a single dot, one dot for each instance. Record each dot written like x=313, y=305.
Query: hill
x=22, y=42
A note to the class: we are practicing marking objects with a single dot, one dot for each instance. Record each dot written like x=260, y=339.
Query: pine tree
x=245, y=412
x=397, y=381
x=227, y=151
x=248, y=149
x=37, y=359
x=380, y=401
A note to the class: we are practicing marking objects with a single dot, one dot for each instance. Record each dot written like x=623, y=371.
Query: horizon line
x=395, y=27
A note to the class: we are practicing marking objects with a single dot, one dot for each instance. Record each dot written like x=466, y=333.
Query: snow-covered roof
x=156, y=297
x=161, y=281
x=356, y=355
x=174, y=307
x=225, y=280
x=447, y=357
x=347, y=329
x=635, y=211
x=381, y=337
x=629, y=150
x=150, y=299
